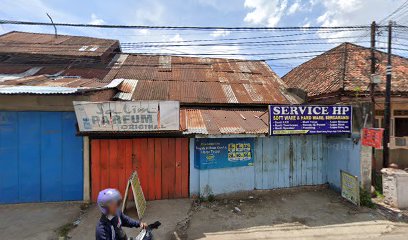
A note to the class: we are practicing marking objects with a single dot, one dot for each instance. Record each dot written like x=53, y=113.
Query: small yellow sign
x=138, y=195
x=350, y=187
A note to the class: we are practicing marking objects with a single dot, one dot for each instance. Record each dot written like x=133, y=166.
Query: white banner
x=137, y=116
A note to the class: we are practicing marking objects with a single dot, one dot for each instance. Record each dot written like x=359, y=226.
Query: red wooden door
x=162, y=165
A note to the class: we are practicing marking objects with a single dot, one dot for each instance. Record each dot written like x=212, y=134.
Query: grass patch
x=65, y=229
x=365, y=199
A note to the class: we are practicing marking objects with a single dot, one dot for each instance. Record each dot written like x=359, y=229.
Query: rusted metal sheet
x=219, y=122
x=47, y=44
x=162, y=165
x=201, y=80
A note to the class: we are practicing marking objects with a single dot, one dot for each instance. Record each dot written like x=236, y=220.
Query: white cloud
x=295, y=7
x=265, y=12
x=353, y=12
x=95, y=20
x=220, y=33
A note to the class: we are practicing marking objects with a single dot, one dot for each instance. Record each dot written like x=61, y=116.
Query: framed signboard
x=213, y=153
x=350, y=188
x=128, y=116
x=309, y=119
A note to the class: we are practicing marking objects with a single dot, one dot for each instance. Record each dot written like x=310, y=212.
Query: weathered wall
x=218, y=181
x=342, y=154
x=279, y=162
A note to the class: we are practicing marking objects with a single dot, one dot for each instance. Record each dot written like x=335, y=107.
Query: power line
x=12, y=22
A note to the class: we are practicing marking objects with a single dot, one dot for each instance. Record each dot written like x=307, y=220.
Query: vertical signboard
x=291, y=119
x=213, y=153
x=350, y=188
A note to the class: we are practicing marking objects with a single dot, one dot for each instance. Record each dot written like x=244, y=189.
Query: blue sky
x=203, y=13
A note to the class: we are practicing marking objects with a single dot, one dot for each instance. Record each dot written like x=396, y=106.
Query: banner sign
x=303, y=119
x=213, y=153
x=128, y=116
x=350, y=188
x=372, y=137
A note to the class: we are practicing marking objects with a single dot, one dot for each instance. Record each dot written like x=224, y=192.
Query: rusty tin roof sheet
x=224, y=121
x=62, y=45
x=200, y=80
x=42, y=84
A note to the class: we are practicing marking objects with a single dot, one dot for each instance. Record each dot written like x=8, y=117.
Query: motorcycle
x=146, y=234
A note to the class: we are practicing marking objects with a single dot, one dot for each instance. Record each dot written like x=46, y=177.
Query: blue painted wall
x=40, y=157
x=344, y=155
x=280, y=162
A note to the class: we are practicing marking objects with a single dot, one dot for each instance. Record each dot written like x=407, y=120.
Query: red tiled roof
x=228, y=121
x=62, y=45
x=201, y=80
x=346, y=68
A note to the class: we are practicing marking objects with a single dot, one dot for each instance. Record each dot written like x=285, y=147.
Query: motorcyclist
x=109, y=226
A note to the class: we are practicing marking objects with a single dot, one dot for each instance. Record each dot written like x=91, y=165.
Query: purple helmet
x=107, y=196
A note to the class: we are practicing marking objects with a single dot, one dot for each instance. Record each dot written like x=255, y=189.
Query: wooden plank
x=104, y=164
x=258, y=162
x=171, y=161
x=165, y=167
x=274, y=163
x=178, y=172
x=150, y=169
x=129, y=157
x=140, y=162
x=185, y=166
x=95, y=168
x=304, y=160
x=113, y=164
x=157, y=168
x=121, y=164
x=292, y=161
x=309, y=160
x=315, y=150
x=298, y=157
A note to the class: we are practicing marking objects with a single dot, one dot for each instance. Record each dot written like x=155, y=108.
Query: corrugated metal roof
x=42, y=84
x=126, y=89
x=201, y=80
x=224, y=121
x=48, y=44
x=36, y=90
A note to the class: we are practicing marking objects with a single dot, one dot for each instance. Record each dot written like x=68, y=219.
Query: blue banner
x=210, y=153
x=304, y=119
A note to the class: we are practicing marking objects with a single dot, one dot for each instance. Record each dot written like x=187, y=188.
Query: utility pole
x=372, y=86
x=387, y=105
x=373, y=61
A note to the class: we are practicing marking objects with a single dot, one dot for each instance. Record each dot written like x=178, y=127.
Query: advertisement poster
x=372, y=137
x=303, y=119
x=350, y=188
x=213, y=153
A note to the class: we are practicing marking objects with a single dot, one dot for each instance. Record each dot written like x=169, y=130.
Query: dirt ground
x=168, y=212
x=288, y=214
x=36, y=221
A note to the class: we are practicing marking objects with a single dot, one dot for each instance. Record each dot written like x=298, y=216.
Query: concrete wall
x=342, y=154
